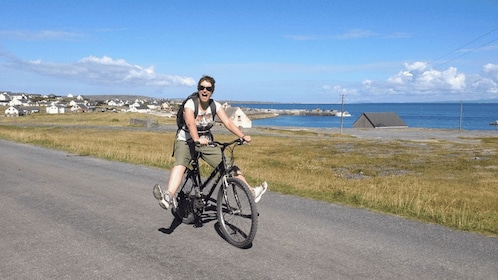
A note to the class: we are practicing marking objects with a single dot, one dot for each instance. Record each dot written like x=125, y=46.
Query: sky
x=270, y=51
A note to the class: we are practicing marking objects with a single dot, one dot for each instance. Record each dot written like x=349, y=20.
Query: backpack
x=180, y=121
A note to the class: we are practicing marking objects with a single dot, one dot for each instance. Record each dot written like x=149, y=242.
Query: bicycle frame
x=193, y=175
x=235, y=206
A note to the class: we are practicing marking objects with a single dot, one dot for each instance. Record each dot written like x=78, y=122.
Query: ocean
x=466, y=116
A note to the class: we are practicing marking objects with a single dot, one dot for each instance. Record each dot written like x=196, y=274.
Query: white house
x=14, y=111
x=4, y=99
x=4, y=96
x=136, y=104
x=31, y=110
x=115, y=103
x=15, y=102
x=55, y=109
x=165, y=106
x=153, y=107
x=79, y=107
x=238, y=117
x=140, y=109
x=19, y=96
x=27, y=103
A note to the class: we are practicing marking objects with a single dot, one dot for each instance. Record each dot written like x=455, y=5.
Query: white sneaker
x=163, y=197
x=259, y=191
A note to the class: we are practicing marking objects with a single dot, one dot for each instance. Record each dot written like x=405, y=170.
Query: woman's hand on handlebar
x=203, y=141
x=246, y=138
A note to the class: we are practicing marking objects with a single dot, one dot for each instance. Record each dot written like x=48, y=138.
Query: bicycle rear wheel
x=182, y=203
x=237, y=213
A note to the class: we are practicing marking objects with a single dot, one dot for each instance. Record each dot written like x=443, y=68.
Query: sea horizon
x=444, y=115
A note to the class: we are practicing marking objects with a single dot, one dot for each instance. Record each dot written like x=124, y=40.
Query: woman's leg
x=182, y=159
x=175, y=178
x=257, y=191
x=212, y=156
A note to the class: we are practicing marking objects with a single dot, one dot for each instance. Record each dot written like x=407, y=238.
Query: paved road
x=72, y=217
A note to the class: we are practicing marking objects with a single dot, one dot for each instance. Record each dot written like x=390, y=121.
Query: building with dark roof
x=379, y=119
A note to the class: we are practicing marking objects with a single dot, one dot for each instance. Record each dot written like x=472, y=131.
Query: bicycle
x=235, y=206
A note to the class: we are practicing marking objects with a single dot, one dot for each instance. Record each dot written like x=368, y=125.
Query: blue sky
x=278, y=51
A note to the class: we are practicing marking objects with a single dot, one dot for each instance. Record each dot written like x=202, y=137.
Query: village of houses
x=22, y=104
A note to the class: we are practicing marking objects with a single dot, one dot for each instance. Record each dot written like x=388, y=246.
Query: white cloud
x=344, y=91
x=454, y=79
x=105, y=71
x=356, y=34
x=491, y=70
x=418, y=77
x=301, y=37
x=418, y=82
x=417, y=66
x=352, y=34
x=487, y=82
x=28, y=35
x=401, y=78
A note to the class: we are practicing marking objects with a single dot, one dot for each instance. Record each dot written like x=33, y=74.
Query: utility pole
x=342, y=111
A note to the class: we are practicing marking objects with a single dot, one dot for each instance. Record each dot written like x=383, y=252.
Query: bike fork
x=232, y=210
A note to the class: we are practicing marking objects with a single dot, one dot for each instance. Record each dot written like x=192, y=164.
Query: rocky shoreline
x=271, y=113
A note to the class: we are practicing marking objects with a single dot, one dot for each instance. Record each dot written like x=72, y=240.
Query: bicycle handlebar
x=239, y=141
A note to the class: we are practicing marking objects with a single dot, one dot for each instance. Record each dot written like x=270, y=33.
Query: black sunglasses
x=207, y=88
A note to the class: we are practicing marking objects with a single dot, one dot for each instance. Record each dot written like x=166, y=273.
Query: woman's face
x=205, y=91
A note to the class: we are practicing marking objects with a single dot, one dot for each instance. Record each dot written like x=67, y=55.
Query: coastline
x=268, y=113
x=468, y=116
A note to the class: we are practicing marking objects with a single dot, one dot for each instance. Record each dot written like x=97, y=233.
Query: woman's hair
x=208, y=79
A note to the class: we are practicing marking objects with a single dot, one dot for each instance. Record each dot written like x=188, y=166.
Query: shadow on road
x=205, y=218
x=208, y=216
x=174, y=224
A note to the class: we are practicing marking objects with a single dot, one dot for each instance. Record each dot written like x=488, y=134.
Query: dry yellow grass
x=444, y=182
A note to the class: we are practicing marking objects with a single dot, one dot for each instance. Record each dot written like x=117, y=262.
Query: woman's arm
x=188, y=115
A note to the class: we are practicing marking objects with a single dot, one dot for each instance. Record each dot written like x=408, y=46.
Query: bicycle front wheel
x=237, y=213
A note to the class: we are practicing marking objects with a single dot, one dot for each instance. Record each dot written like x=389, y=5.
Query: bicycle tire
x=237, y=213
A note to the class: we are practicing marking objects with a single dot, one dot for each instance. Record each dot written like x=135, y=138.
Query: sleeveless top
x=204, y=121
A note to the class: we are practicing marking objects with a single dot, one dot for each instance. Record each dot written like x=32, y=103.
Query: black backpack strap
x=181, y=124
x=213, y=108
x=195, y=98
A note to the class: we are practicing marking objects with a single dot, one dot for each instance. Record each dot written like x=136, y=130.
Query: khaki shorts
x=184, y=153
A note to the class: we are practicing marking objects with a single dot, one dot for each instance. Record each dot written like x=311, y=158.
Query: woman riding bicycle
x=195, y=136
